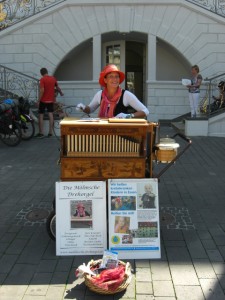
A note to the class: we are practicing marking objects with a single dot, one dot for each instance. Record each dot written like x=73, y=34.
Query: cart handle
x=189, y=142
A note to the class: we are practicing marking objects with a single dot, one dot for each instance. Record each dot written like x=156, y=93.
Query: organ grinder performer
x=112, y=100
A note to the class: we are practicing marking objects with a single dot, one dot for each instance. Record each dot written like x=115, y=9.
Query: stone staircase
x=212, y=125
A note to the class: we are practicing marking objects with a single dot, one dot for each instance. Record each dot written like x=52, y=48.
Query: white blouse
x=129, y=99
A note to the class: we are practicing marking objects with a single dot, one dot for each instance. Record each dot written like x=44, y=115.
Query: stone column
x=151, y=70
x=97, y=54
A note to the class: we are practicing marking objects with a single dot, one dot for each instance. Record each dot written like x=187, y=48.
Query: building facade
x=154, y=42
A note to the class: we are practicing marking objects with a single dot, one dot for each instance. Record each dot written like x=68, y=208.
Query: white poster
x=81, y=218
x=134, y=229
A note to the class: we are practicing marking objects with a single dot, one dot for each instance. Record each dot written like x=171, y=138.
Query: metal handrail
x=15, y=11
x=214, y=6
x=215, y=77
x=14, y=84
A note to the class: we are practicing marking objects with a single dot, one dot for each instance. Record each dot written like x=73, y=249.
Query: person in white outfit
x=194, y=90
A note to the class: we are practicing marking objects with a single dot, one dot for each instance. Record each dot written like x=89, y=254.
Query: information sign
x=134, y=229
x=81, y=218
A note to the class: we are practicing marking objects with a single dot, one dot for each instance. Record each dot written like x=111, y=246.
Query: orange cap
x=109, y=69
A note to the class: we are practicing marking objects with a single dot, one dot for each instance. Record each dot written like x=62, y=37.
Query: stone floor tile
x=163, y=288
x=71, y=294
x=142, y=263
x=160, y=270
x=178, y=255
x=7, y=262
x=143, y=274
x=184, y=275
x=189, y=292
x=144, y=288
x=164, y=298
x=46, y=265
x=209, y=244
x=221, y=279
x=204, y=268
x=55, y=293
x=212, y=289
x=219, y=268
x=11, y=291
x=215, y=256
x=146, y=297
x=39, y=284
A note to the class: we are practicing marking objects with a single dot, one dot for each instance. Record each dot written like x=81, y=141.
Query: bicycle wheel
x=28, y=129
x=51, y=225
x=11, y=136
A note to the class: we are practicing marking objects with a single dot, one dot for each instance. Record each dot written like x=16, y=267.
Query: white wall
x=47, y=38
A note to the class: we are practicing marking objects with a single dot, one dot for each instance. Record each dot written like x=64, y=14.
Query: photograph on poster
x=81, y=214
x=147, y=229
x=134, y=230
x=147, y=197
x=123, y=203
x=122, y=224
x=81, y=223
x=127, y=239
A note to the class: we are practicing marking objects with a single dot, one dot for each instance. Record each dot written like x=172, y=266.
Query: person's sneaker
x=39, y=136
x=49, y=135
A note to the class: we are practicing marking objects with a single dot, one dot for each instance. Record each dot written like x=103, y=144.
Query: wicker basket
x=122, y=287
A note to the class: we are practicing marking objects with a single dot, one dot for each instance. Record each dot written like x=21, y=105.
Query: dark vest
x=120, y=108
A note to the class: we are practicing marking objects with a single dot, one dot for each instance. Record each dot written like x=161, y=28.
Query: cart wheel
x=51, y=225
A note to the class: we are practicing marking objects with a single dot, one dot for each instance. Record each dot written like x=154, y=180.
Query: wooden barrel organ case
x=99, y=149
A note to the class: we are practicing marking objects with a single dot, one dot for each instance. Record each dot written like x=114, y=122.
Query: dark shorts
x=43, y=106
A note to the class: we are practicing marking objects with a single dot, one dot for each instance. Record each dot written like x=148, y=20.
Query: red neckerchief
x=107, y=106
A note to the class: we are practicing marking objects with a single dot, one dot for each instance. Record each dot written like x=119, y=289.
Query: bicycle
x=51, y=223
x=206, y=107
x=10, y=130
x=204, y=103
x=61, y=111
x=25, y=120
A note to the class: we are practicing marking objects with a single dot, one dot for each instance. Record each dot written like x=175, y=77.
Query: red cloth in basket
x=109, y=279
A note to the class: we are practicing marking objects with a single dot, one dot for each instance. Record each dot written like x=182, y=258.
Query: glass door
x=114, y=53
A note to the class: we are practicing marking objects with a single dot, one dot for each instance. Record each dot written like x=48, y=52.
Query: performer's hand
x=80, y=107
x=122, y=116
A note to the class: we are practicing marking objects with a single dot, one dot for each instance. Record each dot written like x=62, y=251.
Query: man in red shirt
x=48, y=84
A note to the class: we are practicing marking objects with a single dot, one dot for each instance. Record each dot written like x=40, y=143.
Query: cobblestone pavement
x=192, y=213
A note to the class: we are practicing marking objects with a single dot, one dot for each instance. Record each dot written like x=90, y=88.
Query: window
x=112, y=55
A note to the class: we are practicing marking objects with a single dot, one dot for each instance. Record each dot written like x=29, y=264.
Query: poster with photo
x=134, y=229
x=81, y=218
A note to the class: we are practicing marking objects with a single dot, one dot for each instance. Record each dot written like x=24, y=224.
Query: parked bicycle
x=10, y=129
x=25, y=119
x=218, y=104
